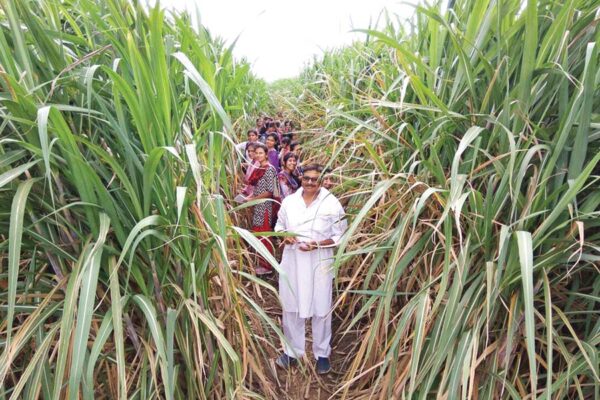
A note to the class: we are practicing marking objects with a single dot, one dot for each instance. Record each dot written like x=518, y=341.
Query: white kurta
x=308, y=287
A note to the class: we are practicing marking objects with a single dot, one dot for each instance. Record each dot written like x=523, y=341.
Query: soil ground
x=302, y=382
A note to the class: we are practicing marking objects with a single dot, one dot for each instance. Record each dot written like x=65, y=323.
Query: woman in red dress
x=264, y=181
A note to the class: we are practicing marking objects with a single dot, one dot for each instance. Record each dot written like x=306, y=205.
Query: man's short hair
x=313, y=167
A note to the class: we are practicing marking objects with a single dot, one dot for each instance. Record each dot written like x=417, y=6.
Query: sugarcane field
x=300, y=200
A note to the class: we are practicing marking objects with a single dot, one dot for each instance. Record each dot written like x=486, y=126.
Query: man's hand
x=308, y=246
x=289, y=240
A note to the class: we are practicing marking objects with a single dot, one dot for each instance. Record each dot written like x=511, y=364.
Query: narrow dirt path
x=302, y=382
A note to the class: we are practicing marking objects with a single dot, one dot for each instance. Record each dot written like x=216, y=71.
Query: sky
x=280, y=36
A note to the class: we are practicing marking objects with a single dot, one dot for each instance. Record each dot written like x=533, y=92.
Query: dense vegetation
x=466, y=142
x=117, y=245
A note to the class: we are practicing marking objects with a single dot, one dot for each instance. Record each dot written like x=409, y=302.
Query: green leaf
x=525, y=245
x=12, y=174
x=85, y=308
x=15, y=235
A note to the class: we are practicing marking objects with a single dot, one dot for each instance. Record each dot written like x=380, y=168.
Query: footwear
x=262, y=271
x=323, y=365
x=285, y=361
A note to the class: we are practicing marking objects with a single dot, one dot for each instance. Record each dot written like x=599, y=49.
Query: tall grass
x=467, y=142
x=120, y=270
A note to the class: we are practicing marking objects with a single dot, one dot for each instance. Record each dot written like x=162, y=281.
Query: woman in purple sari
x=288, y=180
x=273, y=154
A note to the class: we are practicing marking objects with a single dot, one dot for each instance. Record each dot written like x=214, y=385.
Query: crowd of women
x=272, y=171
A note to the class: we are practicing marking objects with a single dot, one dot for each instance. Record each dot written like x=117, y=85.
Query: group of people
x=271, y=172
x=281, y=150
x=296, y=202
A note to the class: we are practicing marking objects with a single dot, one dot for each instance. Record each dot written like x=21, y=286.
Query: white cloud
x=279, y=37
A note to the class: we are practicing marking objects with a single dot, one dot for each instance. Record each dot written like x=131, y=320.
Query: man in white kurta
x=316, y=218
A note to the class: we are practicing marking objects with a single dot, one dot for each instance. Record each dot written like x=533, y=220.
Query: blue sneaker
x=284, y=361
x=323, y=365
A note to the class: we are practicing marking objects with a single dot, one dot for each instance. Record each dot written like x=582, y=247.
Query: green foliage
x=466, y=142
x=117, y=131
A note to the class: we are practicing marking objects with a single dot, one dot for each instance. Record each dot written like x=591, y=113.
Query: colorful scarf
x=291, y=180
x=256, y=175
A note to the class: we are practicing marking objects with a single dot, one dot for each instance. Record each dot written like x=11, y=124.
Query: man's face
x=310, y=182
x=252, y=137
x=328, y=182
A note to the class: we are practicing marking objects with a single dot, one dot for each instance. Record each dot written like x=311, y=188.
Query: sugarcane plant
x=120, y=260
x=465, y=142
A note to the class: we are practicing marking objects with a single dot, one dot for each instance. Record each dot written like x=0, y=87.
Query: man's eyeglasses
x=310, y=179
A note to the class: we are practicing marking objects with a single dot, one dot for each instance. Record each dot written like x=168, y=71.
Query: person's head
x=328, y=182
x=252, y=135
x=259, y=122
x=270, y=127
x=290, y=162
x=327, y=179
x=285, y=142
x=295, y=147
x=251, y=150
x=311, y=178
x=260, y=153
x=271, y=141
